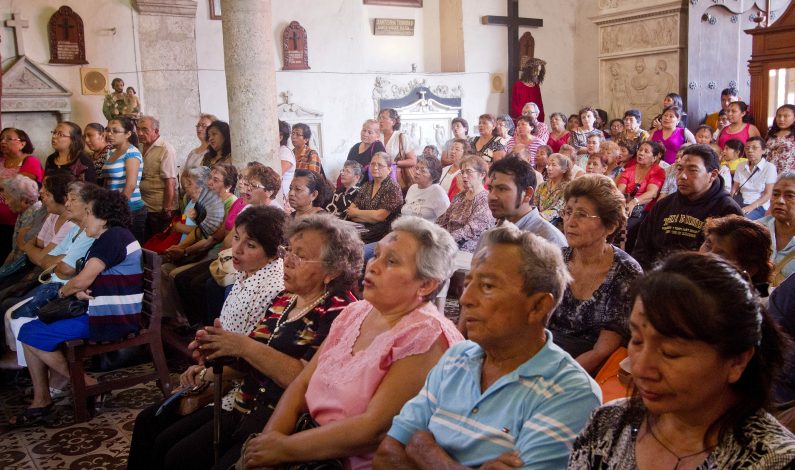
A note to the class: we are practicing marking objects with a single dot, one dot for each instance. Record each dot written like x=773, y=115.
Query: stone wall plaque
x=527, y=48
x=67, y=39
x=294, y=47
x=393, y=27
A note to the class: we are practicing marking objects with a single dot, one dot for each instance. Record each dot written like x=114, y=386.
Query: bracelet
x=202, y=374
x=636, y=201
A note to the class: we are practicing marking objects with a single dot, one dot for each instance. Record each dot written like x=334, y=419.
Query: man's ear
x=539, y=308
x=527, y=197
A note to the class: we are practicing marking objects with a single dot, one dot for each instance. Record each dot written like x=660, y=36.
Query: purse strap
x=47, y=271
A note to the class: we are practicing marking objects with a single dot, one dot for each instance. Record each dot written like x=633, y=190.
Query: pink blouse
x=344, y=382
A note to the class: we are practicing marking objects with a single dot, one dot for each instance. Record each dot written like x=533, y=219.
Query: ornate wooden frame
x=773, y=48
x=395, y=3
x=215, y=13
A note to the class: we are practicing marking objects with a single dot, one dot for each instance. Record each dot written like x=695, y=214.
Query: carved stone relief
x=646, y=34
x=638, y=82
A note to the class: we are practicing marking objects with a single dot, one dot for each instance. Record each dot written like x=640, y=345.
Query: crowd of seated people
x=578, y=243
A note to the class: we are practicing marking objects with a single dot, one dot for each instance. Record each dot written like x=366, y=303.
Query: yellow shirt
x=733, y=164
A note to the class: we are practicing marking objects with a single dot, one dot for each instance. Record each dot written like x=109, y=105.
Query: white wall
x=344, y=56
x=117, y=52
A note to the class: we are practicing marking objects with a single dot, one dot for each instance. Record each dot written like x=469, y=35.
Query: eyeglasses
x=60, y=134
x=9, y=139
x=470, y=172
x=378, y=165
x=201, y=126
x=577, y=214
x=248, y=185
x=293, y=259
x=114, y=131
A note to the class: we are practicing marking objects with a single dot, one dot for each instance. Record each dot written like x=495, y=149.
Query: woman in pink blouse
x=15, y=159
x=374, y=359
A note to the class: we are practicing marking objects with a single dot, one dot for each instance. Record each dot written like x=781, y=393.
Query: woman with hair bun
x=704, y=354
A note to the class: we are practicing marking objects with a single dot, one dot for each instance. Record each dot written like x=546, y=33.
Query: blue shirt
x=538, y=409
x=73, y=247
x=115, y=175
x=533, y=222
x=778, y=256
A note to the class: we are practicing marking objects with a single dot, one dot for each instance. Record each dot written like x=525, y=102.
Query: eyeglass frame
x=293, y=259
x=568, y=212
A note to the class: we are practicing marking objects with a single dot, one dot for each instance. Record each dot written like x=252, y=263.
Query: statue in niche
x=664, y=82
x=619, y=96
x=640, y=86
x=527, y=48
x=119, y=104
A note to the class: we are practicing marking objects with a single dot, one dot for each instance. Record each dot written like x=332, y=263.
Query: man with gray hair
x=508, y=397
x=159, y=179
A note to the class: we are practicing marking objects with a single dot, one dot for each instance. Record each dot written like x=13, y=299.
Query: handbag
x=62, y=309
x=161, y=241
x=304, y=423
x=738, y=195
x=404, y=176
x=777, y=275
x=222, y=269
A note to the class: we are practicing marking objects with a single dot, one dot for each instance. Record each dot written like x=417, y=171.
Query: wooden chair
x=76, y=351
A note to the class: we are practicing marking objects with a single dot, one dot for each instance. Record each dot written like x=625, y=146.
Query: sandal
x=32, y=416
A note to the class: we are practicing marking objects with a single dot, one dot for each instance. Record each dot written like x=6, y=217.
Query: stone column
x=249, y=63
x=170, y=79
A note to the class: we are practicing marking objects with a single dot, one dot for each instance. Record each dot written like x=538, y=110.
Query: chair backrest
x=151, y=312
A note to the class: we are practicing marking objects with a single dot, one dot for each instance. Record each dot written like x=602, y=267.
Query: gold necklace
x=283, y=320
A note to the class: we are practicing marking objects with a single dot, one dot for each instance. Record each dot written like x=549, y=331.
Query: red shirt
x=523, y=94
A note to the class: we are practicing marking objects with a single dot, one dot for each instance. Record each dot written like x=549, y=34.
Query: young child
x=594, y=144
x=723, y=121
x=597, y=163
x=733, y=154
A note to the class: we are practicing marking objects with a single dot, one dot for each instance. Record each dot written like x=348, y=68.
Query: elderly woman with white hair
x=540, y=130
x=374, y=359
x=22, y=196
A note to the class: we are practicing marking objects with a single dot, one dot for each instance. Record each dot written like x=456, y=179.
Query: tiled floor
x=101, y=443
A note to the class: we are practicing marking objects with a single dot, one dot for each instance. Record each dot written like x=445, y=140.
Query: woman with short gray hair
x=349, y=187
x=378, y=202
x=781, y=223
x=22, y=196
x=375, y=357
x=426, y=198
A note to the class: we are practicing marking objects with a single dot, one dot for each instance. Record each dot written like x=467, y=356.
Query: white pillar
x=251, y=81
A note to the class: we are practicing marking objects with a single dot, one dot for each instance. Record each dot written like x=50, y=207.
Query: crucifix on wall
x=67, y=38
x=294, y=47
x=513, y=21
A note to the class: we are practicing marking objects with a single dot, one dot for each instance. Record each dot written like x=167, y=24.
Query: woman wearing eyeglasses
x=321, y=267
x=591, y=321
x=378, y=202
x=194, y=158
x=469, y=215
x=70, y=156
x=15, y=159
x=123, y=170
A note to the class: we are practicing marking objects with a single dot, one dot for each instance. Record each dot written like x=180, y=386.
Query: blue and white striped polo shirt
x=116, y=177
x=536, y=410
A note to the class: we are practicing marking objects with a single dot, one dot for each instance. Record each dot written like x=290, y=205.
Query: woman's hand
x=268, y=449
x=191, y=376
x=747, y=209
x=21, y=237
x=174, y=253
x=191, y=213
x=631, y=205
x=84, y=295
x=217, y=342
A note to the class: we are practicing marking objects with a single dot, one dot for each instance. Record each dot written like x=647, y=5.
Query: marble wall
x=642, y=54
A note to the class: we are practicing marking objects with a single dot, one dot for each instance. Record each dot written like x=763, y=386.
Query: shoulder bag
x=404, y=177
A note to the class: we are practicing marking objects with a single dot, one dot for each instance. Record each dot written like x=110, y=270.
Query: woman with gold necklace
x=321, y=266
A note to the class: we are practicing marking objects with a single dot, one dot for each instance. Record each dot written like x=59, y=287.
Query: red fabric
x=30, y=167
x=521, y=95
x=655, y=176
x=557, y=144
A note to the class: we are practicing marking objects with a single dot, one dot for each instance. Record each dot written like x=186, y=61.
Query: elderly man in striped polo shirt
x=508, y=397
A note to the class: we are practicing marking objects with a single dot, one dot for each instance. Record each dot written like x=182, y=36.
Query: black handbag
x=62, y=309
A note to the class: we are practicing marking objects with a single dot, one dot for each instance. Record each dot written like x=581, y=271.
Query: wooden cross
x=16, y=23
x=513, y=21
x=66, y=26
